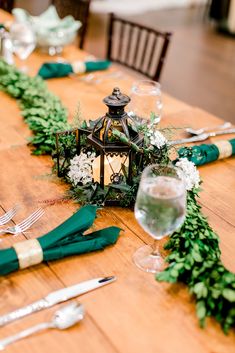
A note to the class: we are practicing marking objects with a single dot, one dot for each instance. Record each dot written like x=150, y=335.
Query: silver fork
x=25, y=224
x=9, y=215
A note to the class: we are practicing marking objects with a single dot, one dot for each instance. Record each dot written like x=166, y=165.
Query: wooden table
x=136, y=313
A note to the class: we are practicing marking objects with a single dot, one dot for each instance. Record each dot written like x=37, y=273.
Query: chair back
x=79, y=9
x=7, y=5
x=138, y=47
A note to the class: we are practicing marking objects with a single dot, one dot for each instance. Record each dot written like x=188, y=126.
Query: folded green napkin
x=52, y=69
x=206, y=153
x=65, y=240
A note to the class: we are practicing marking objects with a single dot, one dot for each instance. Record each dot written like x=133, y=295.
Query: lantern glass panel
x=115, y=168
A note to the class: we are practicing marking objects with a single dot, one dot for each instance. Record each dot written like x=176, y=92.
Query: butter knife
x=56, y=297
x=201, y=137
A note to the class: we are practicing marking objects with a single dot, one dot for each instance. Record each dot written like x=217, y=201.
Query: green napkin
x=203, y=154
x=65, y=240
x=94, y=241
x=52, y=69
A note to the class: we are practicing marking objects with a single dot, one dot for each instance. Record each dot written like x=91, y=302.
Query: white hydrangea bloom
x=157, y=138
x=188, y=172
x=80, y=169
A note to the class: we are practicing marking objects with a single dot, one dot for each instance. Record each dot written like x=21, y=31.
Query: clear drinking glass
x=146, y=100
x=160, y=209
x=23, y=40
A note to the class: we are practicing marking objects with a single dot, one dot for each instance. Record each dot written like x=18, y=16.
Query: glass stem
x=155, y=248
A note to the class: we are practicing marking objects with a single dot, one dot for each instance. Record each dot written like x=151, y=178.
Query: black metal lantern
x=115, y=158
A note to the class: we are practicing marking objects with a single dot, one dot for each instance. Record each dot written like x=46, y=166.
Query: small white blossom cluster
x=80, y=169
x=188, y=172
x=156, y=138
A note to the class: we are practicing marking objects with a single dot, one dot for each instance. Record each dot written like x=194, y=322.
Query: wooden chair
x=138, y=47
x=79, y=9
x=7, y=5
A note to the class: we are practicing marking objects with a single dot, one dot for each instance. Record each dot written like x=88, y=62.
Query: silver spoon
x=63, y=318
x=201, y=137
x=197, y=132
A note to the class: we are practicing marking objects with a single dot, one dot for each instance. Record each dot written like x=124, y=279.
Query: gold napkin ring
x=79, y=67
x=29, y=252
x=225, y=149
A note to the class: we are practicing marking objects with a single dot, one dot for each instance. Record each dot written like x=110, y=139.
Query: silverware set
x=63, y=318
x=202, y=134
x=96, y=79
x=197, y=132
x=21, y=226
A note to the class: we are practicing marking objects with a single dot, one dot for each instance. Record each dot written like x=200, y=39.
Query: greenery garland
x=195, y=260
x=42, y=110
x=194, y=249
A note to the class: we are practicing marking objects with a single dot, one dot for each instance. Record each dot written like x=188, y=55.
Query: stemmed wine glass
x=23, y=40
x=146, y=101
x=160, y=209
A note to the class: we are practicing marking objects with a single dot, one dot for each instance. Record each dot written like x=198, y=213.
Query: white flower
x=188, y=172
x=80, y=169
x=157, y=138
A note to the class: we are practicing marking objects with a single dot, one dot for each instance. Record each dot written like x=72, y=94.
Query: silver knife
x=201, y=137
x=56, y=297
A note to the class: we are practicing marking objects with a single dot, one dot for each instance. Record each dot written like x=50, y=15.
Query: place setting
x=139, y=208
x=50, y=34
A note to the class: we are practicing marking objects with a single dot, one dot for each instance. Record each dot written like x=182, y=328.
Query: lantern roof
x=116, y=99
x=115, y=119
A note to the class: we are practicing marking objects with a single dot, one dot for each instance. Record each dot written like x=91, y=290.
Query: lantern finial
x=116, y=91
x=117, y=99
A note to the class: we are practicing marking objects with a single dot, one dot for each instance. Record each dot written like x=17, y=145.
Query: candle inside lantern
x=113, y=172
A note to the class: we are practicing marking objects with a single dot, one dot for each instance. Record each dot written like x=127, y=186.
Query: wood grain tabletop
x=135, y=313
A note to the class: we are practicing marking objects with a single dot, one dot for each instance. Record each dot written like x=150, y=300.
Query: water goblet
x=146, y=101
x=23, y=40
x=160, y=209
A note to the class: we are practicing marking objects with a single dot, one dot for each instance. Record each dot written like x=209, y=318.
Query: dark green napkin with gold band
x=207, y=153
x=66, y=240
x=53, y=70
